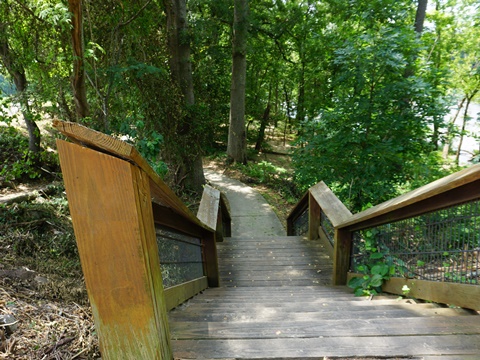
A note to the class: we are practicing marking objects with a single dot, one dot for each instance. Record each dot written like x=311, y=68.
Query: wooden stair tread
x=276, y=302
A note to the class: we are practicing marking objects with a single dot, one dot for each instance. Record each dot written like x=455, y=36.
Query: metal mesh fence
x=181, y=257
x=300, y=224
x=327, y=227
x=443, y=245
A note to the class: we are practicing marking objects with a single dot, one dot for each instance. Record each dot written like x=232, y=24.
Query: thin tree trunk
x=287, y=120
x=300, y=115
x=448, y=135
x=180, y=153
x=420, y=16
x=418, y=26
x=464, y=124
x=17, y=72
x=237, y=142
x=78, y=77
x=263, y=126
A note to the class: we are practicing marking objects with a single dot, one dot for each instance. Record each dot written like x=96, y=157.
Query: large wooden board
x=109, y=202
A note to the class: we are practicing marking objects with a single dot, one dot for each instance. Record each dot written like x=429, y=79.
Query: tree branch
x=125, y=23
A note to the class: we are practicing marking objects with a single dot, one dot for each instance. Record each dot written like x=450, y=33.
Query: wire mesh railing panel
x=181, y=258
x=443, y=245
x=327, y=227
x=300, y=224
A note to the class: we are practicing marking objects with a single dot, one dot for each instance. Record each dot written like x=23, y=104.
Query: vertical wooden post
x=314, y=217
x=341, y=256
x=211, y=259
x=111, y=209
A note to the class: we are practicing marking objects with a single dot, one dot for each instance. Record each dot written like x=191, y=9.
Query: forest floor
x=44, y=310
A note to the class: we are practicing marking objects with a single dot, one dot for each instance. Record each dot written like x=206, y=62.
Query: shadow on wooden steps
x=275, y=303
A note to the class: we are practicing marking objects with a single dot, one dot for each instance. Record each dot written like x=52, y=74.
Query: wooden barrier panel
x=462, y=295
x=210, y=211
x=110, y=205
x=115, y=200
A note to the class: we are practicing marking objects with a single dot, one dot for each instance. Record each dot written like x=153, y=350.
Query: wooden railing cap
x=440, y=186
x=161, y=193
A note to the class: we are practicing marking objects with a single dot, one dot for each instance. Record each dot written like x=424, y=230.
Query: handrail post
x=111, y=209
x=341, y=256
x=314, y=217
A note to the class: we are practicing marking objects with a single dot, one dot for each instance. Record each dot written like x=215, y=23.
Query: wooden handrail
x=160, y=192
x=454, y=189
x=457, y=188
x=116, y=201
x=214, y=212
x=319, y=198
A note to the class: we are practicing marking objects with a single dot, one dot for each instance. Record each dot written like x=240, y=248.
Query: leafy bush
x=17, y=163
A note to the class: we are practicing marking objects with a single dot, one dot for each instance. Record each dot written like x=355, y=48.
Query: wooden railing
x=433, y=211
x=123, y=214
x=317, y=215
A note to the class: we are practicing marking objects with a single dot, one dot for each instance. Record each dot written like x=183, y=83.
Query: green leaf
x=381, y=269
x=375, y=256
x=355, y=282
x=376, y=280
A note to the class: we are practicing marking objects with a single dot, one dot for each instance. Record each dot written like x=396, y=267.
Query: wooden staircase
x=275, y=302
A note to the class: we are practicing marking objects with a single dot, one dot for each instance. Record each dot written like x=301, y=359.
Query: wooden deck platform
x=275, y=302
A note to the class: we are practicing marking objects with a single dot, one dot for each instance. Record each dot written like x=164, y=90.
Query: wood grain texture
x=333, y=208
x=178, y=294
x=272, y=305
x=464, y=295
x=109, y=202
x=96, y=140
x=209, y=207
x=297, y=210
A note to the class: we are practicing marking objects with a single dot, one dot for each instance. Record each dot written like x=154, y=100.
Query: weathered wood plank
x=96, y=140
x=335, y=210
x=326, y=328
x=463, y=295
x=176, y=295
x=328, y=346
x=109, y=201
x=209, y=206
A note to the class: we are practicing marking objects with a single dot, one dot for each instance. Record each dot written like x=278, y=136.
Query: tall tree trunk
x=17, y=72
x=300, y=111
x=418, y=26
x=420, y=16
x=237, y=142
x=465, y=119
x=181, y=151
x=78, y=77
x=287, y=119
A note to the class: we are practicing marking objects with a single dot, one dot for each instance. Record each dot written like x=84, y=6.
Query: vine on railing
x=443, y=245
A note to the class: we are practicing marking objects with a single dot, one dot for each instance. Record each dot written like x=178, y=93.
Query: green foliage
x=6, y=87
x=46, y=231
x=378, y=268
x=17, y=163
x=369, y=140
x=147, y=142
x=264, y=171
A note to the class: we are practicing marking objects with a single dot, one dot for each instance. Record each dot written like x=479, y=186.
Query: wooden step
x=276, y=303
